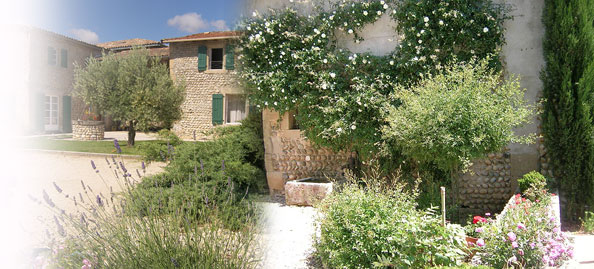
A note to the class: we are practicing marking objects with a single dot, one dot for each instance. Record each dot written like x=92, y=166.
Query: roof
x=160, y=52
x=67, y=38
x=204, y=36
x=129, y=43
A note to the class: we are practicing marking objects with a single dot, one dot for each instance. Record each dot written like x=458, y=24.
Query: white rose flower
x=379, y=13
x=385, y=6
x=365, y=12
x=382, y=2
x=353, y=127
x=339, y=129
x=323, y=35
x=440, y=22
x=275, y=103
x=350, y=31
x=420, y=41
x=332, y=75
x=485, y=29
x=422, y=31
x=391, y=62
x=325, y=61
x=426, y=19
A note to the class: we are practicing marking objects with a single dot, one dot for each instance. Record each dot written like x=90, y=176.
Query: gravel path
x=288, y=235
x=26, y=175
x=583, y=252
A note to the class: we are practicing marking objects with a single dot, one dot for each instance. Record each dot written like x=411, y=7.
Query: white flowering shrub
x=291, y=61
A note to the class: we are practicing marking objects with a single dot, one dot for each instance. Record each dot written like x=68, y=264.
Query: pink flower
x=479, y=230
x=532, y=245
x=521, y=252
x=556, y=230
x=511, y=236
x=487, y=214
x=480, y=242
x=85, y=267
x=86, y=262
x=514, y=244
x=521, y=226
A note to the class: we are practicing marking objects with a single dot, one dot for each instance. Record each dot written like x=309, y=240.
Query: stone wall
x=200, y=86
x=88, y=130
x=290, y=156
x=487, y=186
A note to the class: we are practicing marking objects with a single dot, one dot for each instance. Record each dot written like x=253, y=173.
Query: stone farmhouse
x=205, y=62
x=289, y=156
x=50, y=76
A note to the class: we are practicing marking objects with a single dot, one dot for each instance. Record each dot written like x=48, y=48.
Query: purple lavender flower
x=107, y=161
x=47, y=199
x=117, y=146
x=99, y=202
x=143, y=166
x=202, y=166
x=123, y=168
x=58, y=189
x=138, y=172
x=113, y=160
x=93, y=165
x=83, y=185
x=511, y=236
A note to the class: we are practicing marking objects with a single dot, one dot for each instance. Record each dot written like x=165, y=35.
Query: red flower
x=478, y=219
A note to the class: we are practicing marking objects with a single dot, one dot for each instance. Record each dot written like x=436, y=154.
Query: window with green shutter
x=217, y=109
x=64, y=58
x=201, y=58
x=229, y=57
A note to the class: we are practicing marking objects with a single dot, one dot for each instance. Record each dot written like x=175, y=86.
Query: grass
x=83, y=146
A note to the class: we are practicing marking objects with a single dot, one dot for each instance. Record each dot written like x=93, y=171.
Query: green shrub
x=163, y=149
x=588, y=222
x=148, y=227
x=363, y=227
x=533, y=185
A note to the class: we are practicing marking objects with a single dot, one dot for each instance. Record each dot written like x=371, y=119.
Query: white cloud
x=193, y=22
x=219, y=25
x=85, y=35
x=189, y=22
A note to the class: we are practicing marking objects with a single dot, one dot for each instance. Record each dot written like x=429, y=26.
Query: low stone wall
x=88, y=130
x=487, y=186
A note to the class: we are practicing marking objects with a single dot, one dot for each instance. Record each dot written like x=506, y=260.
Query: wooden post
x=443, y=210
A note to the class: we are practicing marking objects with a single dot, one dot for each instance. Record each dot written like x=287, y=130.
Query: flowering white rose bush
x=291, y=61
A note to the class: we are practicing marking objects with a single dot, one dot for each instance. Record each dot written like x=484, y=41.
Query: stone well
x=306, y=191
x=88, y=130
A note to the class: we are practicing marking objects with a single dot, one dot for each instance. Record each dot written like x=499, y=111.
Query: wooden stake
x=443, y=210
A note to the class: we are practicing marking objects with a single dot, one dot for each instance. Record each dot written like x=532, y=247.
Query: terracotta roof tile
x=127, y=43
x=161, y=52
x=204, y=36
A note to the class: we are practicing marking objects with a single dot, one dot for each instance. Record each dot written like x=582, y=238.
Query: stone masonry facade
x=200, y=86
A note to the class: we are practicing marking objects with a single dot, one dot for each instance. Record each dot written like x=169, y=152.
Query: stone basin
x=307, y=191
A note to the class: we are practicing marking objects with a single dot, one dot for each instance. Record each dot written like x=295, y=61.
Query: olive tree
x=135, y=89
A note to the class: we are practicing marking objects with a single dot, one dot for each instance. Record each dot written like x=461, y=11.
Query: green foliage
x=131, y=230
x=533, y=185
x=162, y=149
x=135, y=89
x=568, y=93
x=588, y=222
x=340, y=95
x=373, y=226
x=463, y=112
x=526, y=236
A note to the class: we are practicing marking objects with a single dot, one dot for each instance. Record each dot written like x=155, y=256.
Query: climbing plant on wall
x=568, y=93
x=293, y=61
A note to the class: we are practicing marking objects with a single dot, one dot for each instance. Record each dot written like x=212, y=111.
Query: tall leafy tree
x=135, y=89
x=568, y=93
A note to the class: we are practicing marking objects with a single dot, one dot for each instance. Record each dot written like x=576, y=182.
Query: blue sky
x=109, y=20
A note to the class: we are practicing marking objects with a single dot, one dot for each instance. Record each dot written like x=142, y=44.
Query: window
x=293, y=124
x=235, y=108
x=51, y=56
x=51, y=112
x=216, y=58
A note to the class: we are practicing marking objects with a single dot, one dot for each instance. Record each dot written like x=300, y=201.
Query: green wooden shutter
x=201, y=58
x=64, y=55
x=229, y=57
x=66, y=114
x=217, y=109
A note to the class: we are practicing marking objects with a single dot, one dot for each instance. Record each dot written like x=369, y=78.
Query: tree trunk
x=131, y=133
